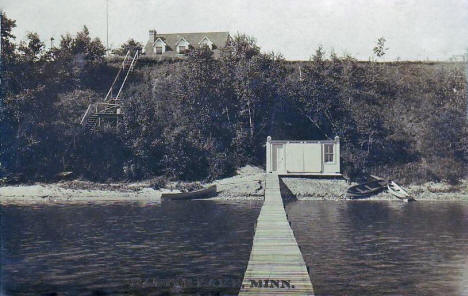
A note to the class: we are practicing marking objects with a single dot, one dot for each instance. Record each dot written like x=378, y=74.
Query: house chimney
x=152, y=35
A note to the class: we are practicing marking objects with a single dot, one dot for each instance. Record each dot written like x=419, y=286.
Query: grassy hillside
x=201, y=118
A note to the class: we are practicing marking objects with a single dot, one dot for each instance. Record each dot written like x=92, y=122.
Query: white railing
x=128, y=72
x=117, y=76
x=85, y=116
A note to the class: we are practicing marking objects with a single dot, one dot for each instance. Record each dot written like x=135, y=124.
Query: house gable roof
x=205, y=39
x=219, y=39
x=180, y=40
x=160, y=40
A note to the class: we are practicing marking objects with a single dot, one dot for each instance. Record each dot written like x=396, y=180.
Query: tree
x=443, y=147
x=80, y=47
x=8, y=54
x=255, y=80
x=93, y=49
x=131, y=45
x=7, y=37
x=32, y=48
x=7, y=60
x=319, y=95
x=36, y=137
x=380, y=49
x=244, y=46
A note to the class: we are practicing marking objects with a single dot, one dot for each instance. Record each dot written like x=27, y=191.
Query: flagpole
x=107, y=26
x=465, y=59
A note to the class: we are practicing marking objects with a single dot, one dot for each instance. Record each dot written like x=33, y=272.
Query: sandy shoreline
x=248, y=184
x=322, y=189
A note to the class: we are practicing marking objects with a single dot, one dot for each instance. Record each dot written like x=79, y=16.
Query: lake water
x=383, y=248
x=352, y=248
x=126, y=249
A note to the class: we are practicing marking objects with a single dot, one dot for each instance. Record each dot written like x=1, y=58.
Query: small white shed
x=311, y=158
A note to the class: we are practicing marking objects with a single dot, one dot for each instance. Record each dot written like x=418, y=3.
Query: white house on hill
x=177, y=44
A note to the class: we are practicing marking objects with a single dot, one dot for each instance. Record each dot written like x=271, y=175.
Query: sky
x=414, y=29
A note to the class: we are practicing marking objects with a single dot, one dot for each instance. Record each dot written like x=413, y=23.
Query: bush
x=447, y=169
x=221, y=165
x=188, y=187
x=159, y=182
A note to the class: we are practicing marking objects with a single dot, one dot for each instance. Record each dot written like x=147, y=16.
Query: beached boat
x=366, y=189
x=198, y=194
x=399, y=191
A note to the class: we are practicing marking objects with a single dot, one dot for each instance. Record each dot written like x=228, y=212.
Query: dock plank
x=276, y=265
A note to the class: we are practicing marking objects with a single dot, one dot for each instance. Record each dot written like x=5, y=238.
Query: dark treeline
x=201, y=118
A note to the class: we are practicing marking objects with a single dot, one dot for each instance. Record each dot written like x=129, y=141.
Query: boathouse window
x=159, y=50
x=328, y=155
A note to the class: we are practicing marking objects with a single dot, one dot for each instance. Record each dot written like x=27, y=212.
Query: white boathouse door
x=278, y=157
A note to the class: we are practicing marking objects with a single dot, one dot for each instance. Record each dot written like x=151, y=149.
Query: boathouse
x=310, y=158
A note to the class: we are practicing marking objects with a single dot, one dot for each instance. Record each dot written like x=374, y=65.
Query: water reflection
x=122, y=248
x=383, y=248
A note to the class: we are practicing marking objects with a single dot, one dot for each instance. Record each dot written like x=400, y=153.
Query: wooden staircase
x=109, y=111
x=91, y=123
x=98, y=113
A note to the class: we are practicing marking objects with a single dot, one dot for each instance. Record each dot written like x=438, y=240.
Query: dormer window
x=159, y=46
x=206, y=42
x=182, y=46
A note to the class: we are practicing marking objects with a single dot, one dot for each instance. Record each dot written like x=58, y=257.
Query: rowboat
x=366, y=189
x=399, y=191
x=198, y=194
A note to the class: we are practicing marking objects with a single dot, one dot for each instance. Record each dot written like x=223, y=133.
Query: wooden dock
x=276, y=266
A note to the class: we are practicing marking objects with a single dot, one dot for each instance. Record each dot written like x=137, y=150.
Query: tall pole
x=466, y=80
x=107, y=26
